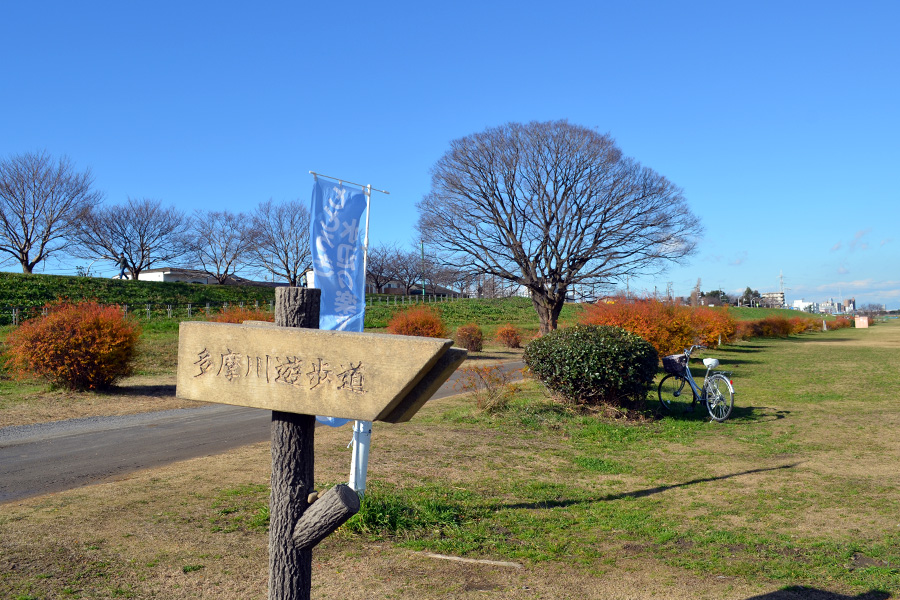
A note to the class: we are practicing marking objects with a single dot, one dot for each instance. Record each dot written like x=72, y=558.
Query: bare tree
x=871, y=310
x=146, y=232
x=40, y=201
x=221, y=243
x=409, y=269
x=438, y=273
x=696, y=294
x=282, y=240
x=549, y=205
x=380, y=265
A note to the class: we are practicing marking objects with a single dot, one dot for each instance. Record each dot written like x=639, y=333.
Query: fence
x=14, y=315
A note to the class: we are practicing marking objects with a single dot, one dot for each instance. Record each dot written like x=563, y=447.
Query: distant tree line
x=391, y=267
x=49, y=208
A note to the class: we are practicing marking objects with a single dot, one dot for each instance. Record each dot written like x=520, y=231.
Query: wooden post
x=290, y=567
x=251, y=373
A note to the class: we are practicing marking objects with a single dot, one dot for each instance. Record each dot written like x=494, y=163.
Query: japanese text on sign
x=309, y=373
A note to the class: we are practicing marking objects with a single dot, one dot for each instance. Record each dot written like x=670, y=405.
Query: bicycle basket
x=674, y=363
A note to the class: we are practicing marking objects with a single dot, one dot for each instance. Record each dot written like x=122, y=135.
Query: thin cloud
x=836, y=247
x=858, y=284
x=741, y=257
x=842, y=270
x=885, y=241
x=857, y=242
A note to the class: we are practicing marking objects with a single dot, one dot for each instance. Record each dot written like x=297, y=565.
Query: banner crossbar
x=339, y=180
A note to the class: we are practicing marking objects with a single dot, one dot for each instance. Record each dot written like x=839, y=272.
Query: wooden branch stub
x=330, y=511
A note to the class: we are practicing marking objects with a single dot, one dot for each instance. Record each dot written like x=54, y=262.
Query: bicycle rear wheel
x=675, y=396
x=719, y=397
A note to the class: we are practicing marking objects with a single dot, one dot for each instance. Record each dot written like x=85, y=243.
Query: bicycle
x=717, y=394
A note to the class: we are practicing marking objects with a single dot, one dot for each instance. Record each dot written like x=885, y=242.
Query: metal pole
x=362, y=430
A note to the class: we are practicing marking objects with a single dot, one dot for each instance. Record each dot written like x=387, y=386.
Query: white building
x=803, y=305
x=168, y=274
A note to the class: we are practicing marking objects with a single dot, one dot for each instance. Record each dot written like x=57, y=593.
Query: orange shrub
x=419, y=320
x=78, y=346
x=236, y=314
x=773, y=327
x=777, y=327
x=509, y=336
x=802, y=325
x=669, y=327
x=713, y=325
x=840, y=323
x=470, y=337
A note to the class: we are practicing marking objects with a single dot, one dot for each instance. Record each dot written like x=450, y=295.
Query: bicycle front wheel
x=675, y=396
x=719, y=397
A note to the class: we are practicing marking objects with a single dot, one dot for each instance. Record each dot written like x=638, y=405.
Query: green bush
x=594, y=365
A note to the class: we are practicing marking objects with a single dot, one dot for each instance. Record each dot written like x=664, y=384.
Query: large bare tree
x=40, y=202
x=222, y=243
x=144, y=230
x=548, y=205
x=282, y=240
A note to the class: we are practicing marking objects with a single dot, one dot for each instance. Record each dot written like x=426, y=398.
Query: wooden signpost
x=297, y=371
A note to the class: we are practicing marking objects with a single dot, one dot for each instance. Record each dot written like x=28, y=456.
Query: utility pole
x=423, y=269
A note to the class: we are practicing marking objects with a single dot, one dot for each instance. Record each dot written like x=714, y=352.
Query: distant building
x=168, y=274
x=830, y=306
x=850, y=305
x=772, y=299
x=805, y=306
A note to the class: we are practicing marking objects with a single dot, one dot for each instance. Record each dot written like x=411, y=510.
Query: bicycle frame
x=691, y=382
x=689, y=377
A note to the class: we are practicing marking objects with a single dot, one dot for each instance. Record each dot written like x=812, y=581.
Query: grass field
x=746, y=313
x=796, y=496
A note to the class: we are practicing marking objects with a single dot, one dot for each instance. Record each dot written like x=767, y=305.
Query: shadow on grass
x=799, y=339
x=807, y=593
x=159, y=390
x=742, y=349
x=744, y=415
x=643, y=493
x=740, y=415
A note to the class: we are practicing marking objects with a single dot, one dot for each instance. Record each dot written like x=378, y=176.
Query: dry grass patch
x=158, y=534
x=132, y=395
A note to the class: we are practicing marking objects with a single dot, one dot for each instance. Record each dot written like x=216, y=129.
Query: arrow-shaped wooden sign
x=362, y=376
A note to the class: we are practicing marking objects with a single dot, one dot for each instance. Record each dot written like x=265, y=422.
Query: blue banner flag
x=337, y=254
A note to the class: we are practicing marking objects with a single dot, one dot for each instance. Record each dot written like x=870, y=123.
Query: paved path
x=51, y=457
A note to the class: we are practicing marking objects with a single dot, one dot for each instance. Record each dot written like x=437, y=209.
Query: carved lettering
x=288, y=370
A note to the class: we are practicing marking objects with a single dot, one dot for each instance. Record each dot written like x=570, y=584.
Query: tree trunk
x=548, y=309
x=290, y=569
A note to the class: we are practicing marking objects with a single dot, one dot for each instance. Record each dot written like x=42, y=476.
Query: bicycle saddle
x=710, y=363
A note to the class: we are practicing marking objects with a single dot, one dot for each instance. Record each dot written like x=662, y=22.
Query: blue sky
x=779, y=120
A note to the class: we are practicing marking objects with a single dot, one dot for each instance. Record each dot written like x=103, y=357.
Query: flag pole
x=362, y=430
